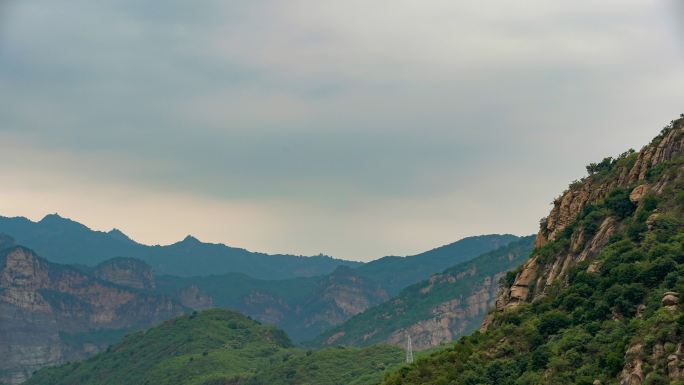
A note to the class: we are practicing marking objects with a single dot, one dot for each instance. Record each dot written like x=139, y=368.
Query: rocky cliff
x=50, y=313
x=128, y=272
x=641, y=174
x=340, y=296
x=598, y=301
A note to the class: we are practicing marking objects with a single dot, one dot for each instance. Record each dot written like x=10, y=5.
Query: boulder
x=638, y=193
x=670, y=299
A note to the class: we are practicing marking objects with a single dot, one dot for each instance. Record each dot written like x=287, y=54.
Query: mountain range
x=304, y=306
x=63, y=240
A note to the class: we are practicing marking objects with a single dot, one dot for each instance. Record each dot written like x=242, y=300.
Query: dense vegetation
x=417, y=302
x=607, y=313
x=341, y=365
x=218, y=347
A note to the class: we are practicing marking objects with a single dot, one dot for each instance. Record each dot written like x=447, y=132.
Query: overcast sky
x=355, y=128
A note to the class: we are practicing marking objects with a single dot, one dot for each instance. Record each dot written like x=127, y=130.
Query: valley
x=593, y=298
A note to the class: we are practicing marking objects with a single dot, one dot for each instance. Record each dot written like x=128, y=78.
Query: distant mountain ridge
x=66, y=241
x=63, y=240
x=307, y=306
x=436, y=310
x=396, y=273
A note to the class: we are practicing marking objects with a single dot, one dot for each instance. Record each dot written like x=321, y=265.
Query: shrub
x=552, y=322
x=618, y=202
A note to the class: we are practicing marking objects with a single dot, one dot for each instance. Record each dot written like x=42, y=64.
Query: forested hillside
x=220, y=347
x=599, y=301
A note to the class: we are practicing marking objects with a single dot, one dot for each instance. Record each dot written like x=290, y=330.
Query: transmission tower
x=409, y=350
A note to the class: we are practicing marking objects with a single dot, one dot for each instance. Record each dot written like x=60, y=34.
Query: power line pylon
x=409, y=350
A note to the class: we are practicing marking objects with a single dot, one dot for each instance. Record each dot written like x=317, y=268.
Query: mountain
x=436, y=310
x=51, y=313
x=218, y=347
x=395, y=273
x=303, y=307
x=65, y=241
x=306, y=307
x=129, y=272
x=599, y=300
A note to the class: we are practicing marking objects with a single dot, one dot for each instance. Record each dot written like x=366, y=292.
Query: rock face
x=675, y=364
x=670, y=300
x=450, y=319
x=341, y=295
x=598, y=301
x=194, y=298
x=653, y=172
x=52, y=313
x=535, y=277
x=633, y=373
x=129, y=272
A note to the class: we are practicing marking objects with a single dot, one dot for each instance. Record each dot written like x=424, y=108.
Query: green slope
x=607, y=318
x=349, y=366
x=220, y=347
x=419, y=303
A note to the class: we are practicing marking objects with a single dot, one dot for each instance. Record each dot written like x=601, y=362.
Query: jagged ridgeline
x=598, y=302
x=221, y=347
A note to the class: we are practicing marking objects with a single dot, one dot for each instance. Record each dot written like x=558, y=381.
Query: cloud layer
x=357, y=128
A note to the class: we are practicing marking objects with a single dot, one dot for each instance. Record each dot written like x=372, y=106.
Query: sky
x=356, y=128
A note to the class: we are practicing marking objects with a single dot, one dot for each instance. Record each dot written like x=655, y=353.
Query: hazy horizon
x=357, y=129
x=36, y=220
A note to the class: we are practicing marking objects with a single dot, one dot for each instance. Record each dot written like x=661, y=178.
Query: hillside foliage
x=607, y=321
x=220, y=347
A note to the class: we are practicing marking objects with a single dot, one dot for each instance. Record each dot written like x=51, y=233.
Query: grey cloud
x=327, y=102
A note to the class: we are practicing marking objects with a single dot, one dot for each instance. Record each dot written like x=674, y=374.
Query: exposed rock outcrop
x=52, y=313
x=675, y=364
x=670, y=300
x=633, y=373
x=449, y=319
x=535, y=277
x=343, y=294
x=129, y=272
x=195, y=298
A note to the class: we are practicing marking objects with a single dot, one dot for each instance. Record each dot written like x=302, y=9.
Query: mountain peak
x=190, y=239
x=52, y=218
x=118, y=234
